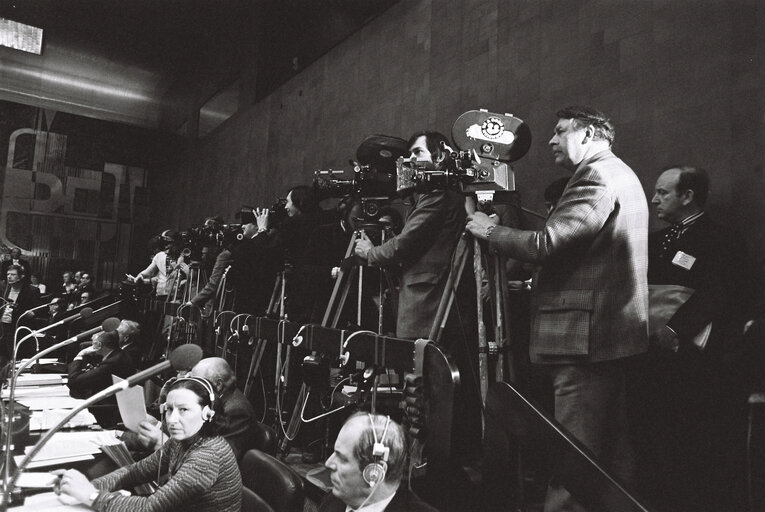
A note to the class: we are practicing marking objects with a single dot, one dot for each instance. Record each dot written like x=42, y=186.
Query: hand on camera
x=261, y=217
x=479, y=223
x=363, y=246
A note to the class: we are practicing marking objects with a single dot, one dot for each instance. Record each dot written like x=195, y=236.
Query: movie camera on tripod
x=487, y=143
x=373, y=183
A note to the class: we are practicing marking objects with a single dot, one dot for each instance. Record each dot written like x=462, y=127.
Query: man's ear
x=589, y=133
x=688, y=197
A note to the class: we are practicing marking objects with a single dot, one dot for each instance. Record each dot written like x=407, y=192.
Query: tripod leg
x=445, y=306
x=257, y=355
x=343, y=296
x=483, y=347
x=499, y=320
x=339, y=283
x=294, y=424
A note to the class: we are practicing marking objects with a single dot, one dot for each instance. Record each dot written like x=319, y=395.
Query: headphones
x=208, y=411
x=374, y=472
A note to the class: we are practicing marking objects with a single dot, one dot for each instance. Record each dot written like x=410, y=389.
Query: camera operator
x=159, y=269
x=222, y=260
x=256, y=261
x=424, y=247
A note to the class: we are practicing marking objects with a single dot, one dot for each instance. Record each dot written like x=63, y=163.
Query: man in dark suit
x=424, y=247
x=19, y=297
x=91, y=371
x=589, y=307
x=683, y=386
x=367, y=468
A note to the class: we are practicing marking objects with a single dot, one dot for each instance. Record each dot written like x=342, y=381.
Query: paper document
x=131, y=404
x=47, y=419
x=39, y=379
x=42, y=403
x=35, y=391
x=47, y=502
x=36, y=480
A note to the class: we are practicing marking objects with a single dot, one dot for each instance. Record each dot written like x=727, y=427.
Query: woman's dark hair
x=304, y=199
x=218, y=422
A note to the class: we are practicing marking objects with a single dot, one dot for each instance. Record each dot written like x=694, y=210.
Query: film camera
x=487, y=143
x=276, y=213
x=373, y=182
x=211, y=234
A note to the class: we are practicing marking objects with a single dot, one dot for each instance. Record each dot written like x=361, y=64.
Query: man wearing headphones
x=367, y=467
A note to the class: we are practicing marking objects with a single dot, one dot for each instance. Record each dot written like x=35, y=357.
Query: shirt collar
x=691, y=219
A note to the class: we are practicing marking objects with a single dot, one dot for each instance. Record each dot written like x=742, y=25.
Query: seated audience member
x=367, y=468
x=67, y=283
x=202, y=470
x=237, y=410
x=129, y=332
x=34, y=280
x=86, y=285
x=91, y=371
x=85, y=297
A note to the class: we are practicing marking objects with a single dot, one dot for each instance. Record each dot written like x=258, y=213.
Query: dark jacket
x=403, y=501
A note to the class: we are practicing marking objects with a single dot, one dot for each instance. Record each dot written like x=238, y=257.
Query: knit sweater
x=204, y=477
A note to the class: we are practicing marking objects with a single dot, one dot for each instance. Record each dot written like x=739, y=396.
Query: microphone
x=181, y=358
x=41, y=306
x=84, y=313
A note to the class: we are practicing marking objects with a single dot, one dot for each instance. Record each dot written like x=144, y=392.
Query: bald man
x=237, y=409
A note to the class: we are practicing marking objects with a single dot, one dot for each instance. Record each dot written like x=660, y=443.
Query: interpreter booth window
x=218, y=108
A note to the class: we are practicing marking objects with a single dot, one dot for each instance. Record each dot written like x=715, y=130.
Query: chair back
x=263, y=438
x=273, y=481
x=251, y=502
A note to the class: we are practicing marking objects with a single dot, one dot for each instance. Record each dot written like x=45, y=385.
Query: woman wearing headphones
x=202, y=471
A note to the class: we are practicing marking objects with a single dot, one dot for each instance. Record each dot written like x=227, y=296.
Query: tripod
x=494, y=267
x=344, y=282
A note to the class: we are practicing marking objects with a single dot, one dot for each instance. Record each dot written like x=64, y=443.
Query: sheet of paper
x=35, y=391
x=47, y=502
x=41, y=403
x=36, y=480
x=39, y=379
x=131, y=404
x=44, y=420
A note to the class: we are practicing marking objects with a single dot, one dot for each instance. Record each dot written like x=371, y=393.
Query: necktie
x=672, y=234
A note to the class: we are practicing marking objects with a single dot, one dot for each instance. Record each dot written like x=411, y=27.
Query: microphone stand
x=8, y=420
x=181, y=361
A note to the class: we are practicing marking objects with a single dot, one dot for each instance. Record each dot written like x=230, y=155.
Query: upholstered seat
x=273, y=481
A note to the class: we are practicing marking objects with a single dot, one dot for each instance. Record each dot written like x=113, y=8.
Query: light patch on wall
x=20, y=37
x=219, y=108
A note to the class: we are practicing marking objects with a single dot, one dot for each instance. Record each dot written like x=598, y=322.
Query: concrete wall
x=683, y=81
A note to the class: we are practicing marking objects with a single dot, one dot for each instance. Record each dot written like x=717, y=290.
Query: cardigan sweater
x=203, y=477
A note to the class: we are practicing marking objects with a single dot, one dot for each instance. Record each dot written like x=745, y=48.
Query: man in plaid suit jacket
x=590, y=300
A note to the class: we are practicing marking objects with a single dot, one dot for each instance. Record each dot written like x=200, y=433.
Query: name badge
x=683, y=260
